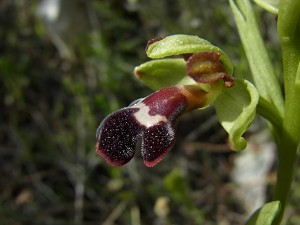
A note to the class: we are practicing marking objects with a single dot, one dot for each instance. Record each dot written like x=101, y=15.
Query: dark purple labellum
x=117, y=136
x=150, y=123
x=157, y=142
x=206, y=67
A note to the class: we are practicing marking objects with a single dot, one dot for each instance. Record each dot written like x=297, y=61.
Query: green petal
x=161, y=73
x=269, y=5
x=265, y=215
x=236, y=108
x=180, y=44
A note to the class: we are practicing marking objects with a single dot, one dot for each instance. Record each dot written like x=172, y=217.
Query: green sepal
x=269, y=5
x=236, y=108
x=180, y=44
x=265, y=215
x=160, y=73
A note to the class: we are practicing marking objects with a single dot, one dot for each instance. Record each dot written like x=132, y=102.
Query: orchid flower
x=199, y=76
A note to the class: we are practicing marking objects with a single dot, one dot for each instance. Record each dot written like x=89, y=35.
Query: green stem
x=287, y=151
x=289, y=33
x=265, y=109
x=286, y=158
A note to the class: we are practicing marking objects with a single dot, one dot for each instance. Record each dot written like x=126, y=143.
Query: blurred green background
x=65, y=65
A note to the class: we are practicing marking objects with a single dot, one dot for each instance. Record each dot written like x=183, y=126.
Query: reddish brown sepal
x=206, y=67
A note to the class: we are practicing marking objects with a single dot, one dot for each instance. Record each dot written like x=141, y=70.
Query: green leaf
x=180, y=44
x=236, y=108
x=269, y=5
x=260, y=64
x=265, y=215
x=161, y=73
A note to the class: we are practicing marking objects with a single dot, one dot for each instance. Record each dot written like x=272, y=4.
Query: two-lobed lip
x=149, y=124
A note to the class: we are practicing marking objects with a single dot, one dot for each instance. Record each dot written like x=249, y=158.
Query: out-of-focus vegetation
x=60, y=79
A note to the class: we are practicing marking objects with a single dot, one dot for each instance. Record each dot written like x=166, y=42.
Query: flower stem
x=265, y=109
x=289, y=34
x=287, y=151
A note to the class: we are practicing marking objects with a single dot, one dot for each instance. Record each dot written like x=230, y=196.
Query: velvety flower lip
x=116, y=137
x=148, y=124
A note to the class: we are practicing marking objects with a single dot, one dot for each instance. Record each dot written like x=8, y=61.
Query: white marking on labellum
x=144, y=118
